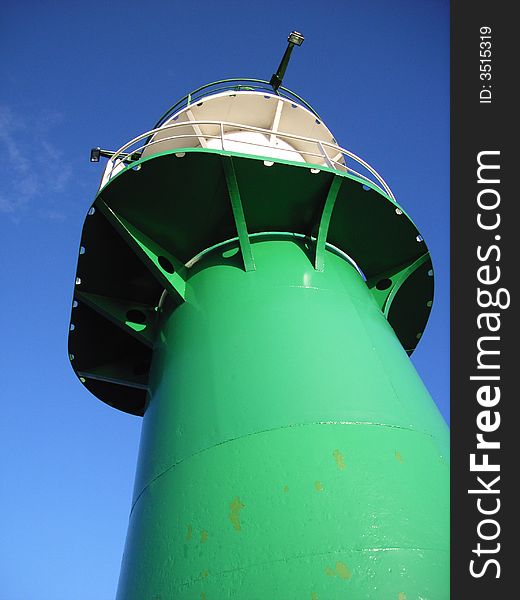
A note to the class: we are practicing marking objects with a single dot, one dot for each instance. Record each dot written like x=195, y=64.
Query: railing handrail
x=124, y=155
x=233, y=84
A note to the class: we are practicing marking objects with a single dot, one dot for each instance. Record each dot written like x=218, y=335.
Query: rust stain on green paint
x=340, y=460
x=234, y=516
x=314, y=596
x=203, y=536
x=398, y=456
x=341, y=571
x=204, y=573
x=189, y=533
x=401, y=596
x=318, y=486
x=285, y=489
x=203, y=596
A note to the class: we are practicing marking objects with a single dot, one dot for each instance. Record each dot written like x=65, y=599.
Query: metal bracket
x=168, y=269
x=238, y=214
x=136, y=319
x=393, y=279
x=319, y=257
x=117, y=372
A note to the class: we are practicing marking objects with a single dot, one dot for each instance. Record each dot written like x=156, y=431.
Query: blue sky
x=77, y=75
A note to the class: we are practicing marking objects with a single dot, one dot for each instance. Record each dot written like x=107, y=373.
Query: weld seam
x=370, y=423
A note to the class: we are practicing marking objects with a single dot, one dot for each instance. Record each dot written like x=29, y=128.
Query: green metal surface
x=260, y=317
x=168, y=207
x=289, y=448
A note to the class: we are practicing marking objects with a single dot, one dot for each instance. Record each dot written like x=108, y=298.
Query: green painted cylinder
x=289, y=449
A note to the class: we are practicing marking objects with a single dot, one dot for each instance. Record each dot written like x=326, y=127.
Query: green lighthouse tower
x=253, y=291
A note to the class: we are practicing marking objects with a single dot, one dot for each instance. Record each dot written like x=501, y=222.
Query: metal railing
x=128, y=154
x=232, y=85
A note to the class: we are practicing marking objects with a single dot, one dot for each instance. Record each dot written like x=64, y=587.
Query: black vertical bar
x=484, y=256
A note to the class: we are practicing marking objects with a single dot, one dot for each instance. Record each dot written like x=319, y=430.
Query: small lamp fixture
x=95, y=153
x=295, y=39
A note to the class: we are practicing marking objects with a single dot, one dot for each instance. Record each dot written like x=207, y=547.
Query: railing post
x=325, y=155
x=112, y=167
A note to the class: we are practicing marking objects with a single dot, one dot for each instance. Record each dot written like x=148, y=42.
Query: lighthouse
x=253, y=291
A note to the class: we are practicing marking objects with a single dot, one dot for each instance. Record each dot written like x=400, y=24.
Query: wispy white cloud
x=32, y=168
